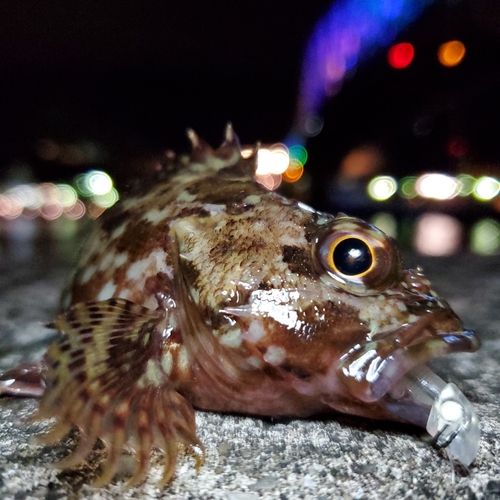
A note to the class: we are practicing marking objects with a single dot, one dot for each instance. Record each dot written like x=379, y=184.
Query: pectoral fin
x=105, y=377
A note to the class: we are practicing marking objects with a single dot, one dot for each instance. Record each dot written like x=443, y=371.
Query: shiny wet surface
x=338, y=457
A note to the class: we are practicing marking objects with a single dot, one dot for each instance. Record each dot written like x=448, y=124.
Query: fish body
x=208, y=291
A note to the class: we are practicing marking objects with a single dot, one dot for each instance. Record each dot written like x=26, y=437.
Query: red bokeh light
x=401, y=55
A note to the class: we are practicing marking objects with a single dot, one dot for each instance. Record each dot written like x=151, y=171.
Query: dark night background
x=131, y=76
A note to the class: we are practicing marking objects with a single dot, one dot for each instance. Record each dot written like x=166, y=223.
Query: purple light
x=349, y=32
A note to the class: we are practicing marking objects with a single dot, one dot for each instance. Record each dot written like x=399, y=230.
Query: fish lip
x=372, y=369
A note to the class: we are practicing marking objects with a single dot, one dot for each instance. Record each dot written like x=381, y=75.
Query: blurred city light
x=9, y=207
x=407, y=187
x=272, y=160
x=67, y=195
x=486, y=188
x=485, y=237
x=348, y=32
x=360, y=162
x=51, y=211
x=98, y=182
x=293, y=173
x=298, y=153
x=381, y=188
x=437, y=186
x=437, y=235
x=247, y=152
x=467, y=183
x=451, y=53
x=75, y=212
x=269, y=181
x=457, y=147
x=72, y=154
x=401, y=55
x=106, y=200
x=386, y=222
x=312, y=125
x=51, y=201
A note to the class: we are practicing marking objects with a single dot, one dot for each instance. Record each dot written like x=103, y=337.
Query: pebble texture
x=248, y=459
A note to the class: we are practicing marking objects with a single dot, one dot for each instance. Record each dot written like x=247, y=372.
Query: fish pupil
x=352, y=257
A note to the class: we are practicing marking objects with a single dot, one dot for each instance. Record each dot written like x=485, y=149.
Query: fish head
x=316, y=309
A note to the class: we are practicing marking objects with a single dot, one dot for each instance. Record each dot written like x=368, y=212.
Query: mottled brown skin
x=210, y=291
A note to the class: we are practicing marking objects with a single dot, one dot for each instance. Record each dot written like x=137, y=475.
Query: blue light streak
x=348, y=33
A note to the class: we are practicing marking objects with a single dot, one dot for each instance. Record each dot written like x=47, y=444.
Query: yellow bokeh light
x=382, y=187
x=98, y=182
x=451, y=53
x=486, y=188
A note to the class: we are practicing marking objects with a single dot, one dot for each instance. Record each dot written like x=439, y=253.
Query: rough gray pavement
x=248, y=458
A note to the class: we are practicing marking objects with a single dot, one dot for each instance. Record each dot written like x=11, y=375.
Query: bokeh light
x=269, y=181
x=467, y=183
x=348, y=32
x=451, y=53
x=98, y=182
x=67, y=195
x=50, y=201
x=106, y=200
x=293, y=173
x=437, y=235
x=26, y=196
x=486, y=188
x=382, y=187
x=386, y=222
x=401, y=55
x=485, y=237
x=437, y=186
x=362, y=161
x=298, y=153
x=272, y=160
x=9, y=207
x=407, y=187
x=51, y=211
x=313, y=124
x=75, y=212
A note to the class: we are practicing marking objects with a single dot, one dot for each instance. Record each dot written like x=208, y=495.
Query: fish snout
x=370, y=370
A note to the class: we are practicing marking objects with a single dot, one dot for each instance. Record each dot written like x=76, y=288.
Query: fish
x=208, y=291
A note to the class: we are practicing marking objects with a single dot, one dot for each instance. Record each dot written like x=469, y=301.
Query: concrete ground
x=248, y=458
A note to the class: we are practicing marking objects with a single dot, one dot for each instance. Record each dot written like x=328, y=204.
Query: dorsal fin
x=228, y=157
x=200, y=150
x=230, y=149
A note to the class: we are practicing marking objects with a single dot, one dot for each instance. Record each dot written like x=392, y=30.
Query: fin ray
x=104, y=376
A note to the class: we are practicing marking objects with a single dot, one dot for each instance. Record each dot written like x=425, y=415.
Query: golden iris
x=352, y=257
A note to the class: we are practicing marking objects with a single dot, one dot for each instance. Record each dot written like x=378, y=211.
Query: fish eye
x=356, y=257
x=352, y=256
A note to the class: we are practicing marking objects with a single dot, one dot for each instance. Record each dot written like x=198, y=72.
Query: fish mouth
x=389, y=376
x=372, y=370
